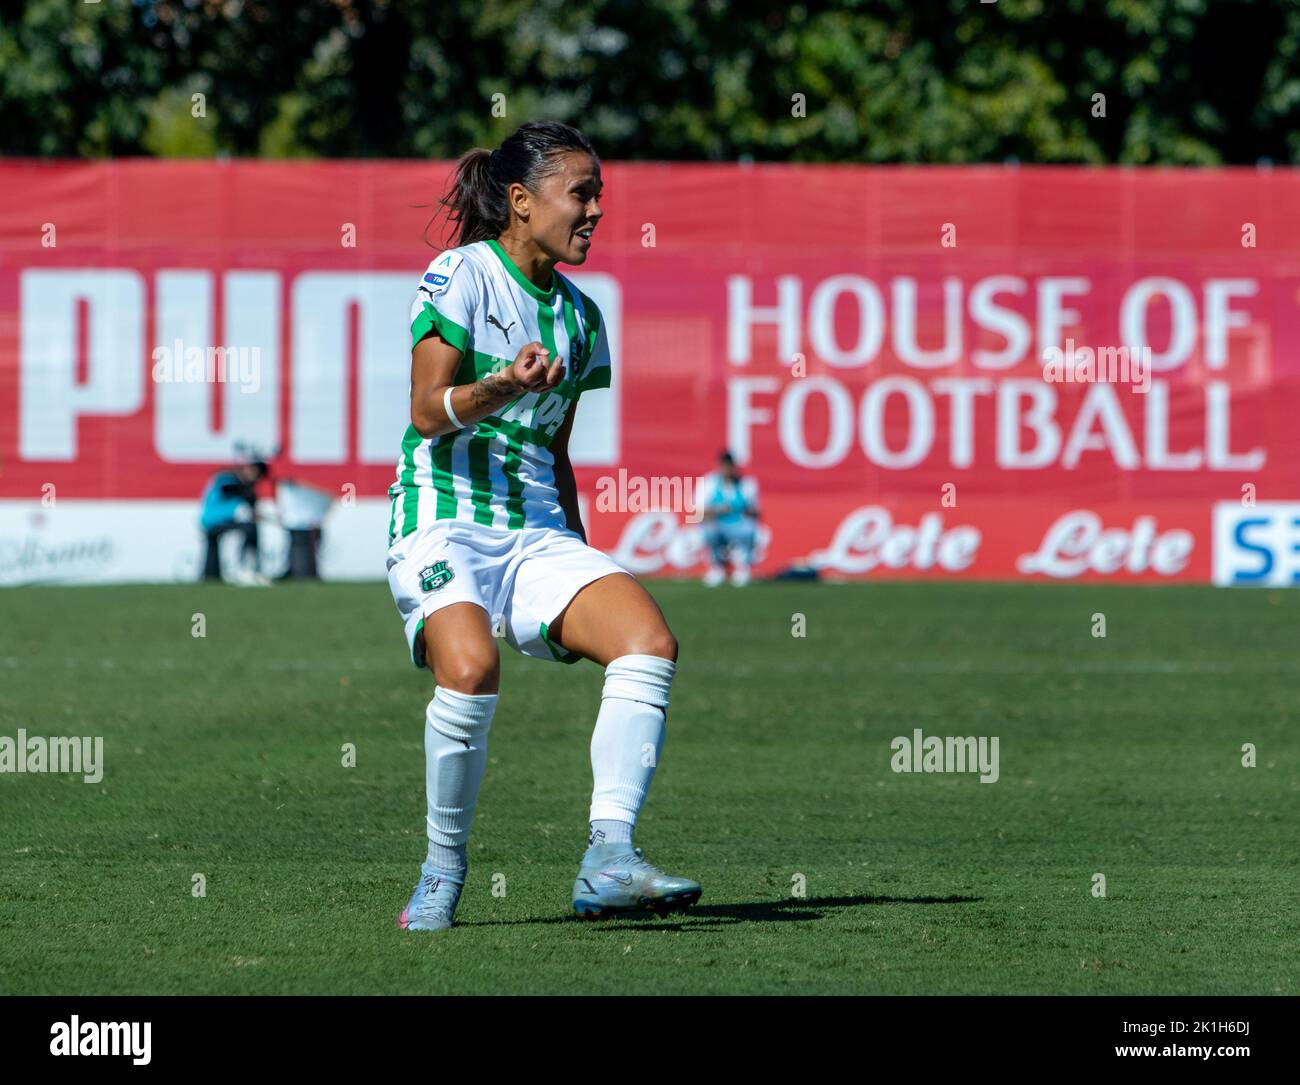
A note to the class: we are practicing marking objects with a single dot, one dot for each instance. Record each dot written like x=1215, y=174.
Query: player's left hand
x=532, y=372
x=554, y=375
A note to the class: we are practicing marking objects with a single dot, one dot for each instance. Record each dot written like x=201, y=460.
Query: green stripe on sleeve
x=432, y=320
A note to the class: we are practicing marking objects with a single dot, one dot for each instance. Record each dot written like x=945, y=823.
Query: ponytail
x=475, y=203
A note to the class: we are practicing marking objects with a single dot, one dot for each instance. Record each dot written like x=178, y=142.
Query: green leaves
x=1185, y=81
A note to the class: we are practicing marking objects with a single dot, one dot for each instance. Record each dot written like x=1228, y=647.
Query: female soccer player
x=485, y=527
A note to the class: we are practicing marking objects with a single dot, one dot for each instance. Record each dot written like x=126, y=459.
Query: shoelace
x=431, y=906
x=635, y=858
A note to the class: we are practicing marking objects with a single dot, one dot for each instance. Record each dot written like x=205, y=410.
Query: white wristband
x=446, y=406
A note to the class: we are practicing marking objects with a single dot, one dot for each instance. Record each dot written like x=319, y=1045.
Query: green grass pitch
x=223, y=755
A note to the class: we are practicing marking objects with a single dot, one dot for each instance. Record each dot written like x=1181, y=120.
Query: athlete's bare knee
x=655, y=642
x=468, y=674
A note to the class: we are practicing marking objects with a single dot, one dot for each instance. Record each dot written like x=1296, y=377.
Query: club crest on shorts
x=435, y=576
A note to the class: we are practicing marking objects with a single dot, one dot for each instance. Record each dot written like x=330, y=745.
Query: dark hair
x=476, y=204
x=726, y=457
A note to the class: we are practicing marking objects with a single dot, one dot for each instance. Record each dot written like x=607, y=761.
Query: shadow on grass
x=703, y=916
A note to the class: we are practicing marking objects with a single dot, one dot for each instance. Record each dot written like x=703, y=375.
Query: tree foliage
x=1184, y=81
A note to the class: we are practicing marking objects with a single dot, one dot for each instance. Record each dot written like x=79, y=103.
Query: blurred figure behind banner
x=229, y=505
x=302, y=510
x=730, y=506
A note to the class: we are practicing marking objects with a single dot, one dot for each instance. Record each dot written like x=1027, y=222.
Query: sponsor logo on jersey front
x=435, y=576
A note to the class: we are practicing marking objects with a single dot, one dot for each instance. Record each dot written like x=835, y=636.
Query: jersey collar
x=520, y=278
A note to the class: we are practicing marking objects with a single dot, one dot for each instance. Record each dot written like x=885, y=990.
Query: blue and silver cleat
x=614, y=879
x=433, y=904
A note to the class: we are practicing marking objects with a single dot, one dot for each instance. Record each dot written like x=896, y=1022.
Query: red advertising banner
x=988, y=372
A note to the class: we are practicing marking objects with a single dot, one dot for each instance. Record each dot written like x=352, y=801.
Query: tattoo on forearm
x=492, y=391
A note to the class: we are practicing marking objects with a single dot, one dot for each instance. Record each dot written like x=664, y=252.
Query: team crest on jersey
x=438, y=575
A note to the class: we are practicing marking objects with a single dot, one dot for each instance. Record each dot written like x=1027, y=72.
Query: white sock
x=455, y=755
x=629, y=735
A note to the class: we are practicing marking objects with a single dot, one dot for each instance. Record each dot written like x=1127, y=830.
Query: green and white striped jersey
x=499, y=472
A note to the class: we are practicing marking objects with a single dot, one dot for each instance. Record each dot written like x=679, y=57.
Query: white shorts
x=523, y=578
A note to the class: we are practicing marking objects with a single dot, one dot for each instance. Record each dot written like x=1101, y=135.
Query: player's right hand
x=532, y=369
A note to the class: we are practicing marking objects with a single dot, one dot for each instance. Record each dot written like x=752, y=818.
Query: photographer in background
x=730, y=505
x=229, y=504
